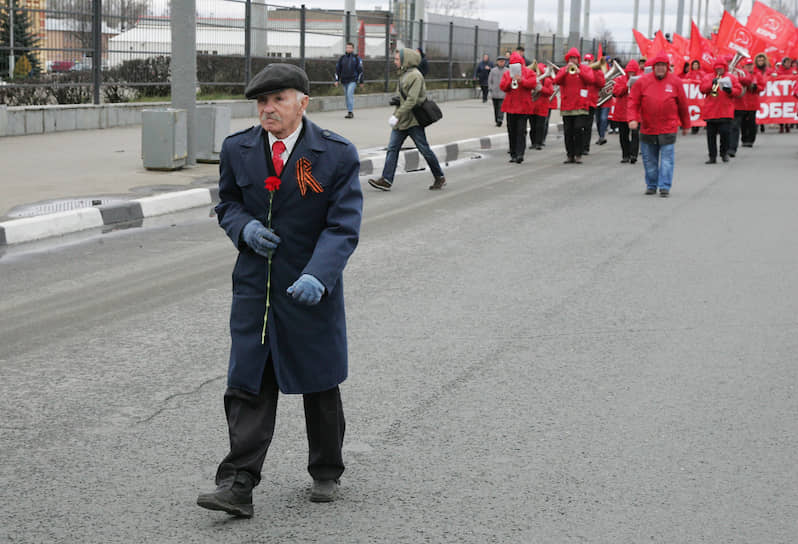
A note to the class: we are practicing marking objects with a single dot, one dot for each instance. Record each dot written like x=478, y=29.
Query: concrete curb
x=28, y=229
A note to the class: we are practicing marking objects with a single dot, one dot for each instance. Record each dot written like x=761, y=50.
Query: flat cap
x=277, y=77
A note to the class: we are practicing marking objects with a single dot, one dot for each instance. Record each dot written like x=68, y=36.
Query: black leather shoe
x=651, y=191
x=625, y=159
x=324, y=490
x=711, y=161
x=602, y=141
x=569, y=160
x=664, y=193
x=724, y=158
x=438, y=184
x=382, y=184
x=732, y=154
x=632, y=160
x=578, y=159
x=231, y=496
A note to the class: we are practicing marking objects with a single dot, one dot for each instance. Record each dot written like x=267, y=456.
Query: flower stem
x=268, y=276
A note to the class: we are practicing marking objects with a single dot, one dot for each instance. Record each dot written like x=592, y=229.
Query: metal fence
x=48, y=47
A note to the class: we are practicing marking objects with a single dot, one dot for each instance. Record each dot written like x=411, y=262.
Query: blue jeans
x=602, y=120
x=419, y=137
x=349, y=92
x=658, y=163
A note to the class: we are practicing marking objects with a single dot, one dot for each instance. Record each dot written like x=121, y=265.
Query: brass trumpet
x=600, y=64
x=573, y=69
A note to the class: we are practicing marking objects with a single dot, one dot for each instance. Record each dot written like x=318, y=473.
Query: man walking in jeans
x=412, y=92
x=349, y=72
x=658, y=106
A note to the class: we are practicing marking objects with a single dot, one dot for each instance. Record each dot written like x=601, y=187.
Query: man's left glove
x=306, y=290
x=395, y=101
x=263, y=241
x=392, y=120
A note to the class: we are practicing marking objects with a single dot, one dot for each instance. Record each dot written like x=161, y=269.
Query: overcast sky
x=616, y=16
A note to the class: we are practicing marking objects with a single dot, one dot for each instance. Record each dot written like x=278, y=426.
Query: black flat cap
x=277, y=77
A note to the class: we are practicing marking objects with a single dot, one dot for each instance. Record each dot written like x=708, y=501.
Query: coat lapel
x=254, y=159
x=309, y=146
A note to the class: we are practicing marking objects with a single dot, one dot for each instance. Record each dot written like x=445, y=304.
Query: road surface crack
x=167, y=400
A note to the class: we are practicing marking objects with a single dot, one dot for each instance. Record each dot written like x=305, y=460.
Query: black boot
x=438, y=184
x=232, y=495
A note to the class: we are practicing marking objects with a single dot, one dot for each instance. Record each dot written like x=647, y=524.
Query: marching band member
x=593, y=95
x=630, y=139
x=541, y=105
x=658, y=105
x=573, y=79
x=720, y=89
x=746, y=106
x=762, y=66
x=517, y=84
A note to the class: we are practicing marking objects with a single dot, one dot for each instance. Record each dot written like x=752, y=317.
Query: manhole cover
x=53, y=206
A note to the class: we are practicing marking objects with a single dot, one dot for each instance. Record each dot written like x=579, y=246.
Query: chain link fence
x=83, y=51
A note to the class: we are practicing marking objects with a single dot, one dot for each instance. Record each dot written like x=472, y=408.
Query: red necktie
x=278, y=148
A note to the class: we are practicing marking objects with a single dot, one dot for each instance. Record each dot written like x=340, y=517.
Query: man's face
x=749, y=68
x=695, y=66
x=719, y=71
x=760, y=61
x=786, y=63
x=280, y=113
x=485, y=58
x=350, y=48
x=573, y=60
x=660, y=69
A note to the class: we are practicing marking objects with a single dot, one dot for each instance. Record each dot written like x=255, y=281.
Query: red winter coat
x=659, y=105
x=594, y=88
x=518, y=100
x=722, y=105
x=574, y=88
x=542, y=105
x=620, y=91
x=750, y=100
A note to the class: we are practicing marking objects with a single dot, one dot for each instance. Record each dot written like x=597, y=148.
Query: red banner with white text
x=778, y=103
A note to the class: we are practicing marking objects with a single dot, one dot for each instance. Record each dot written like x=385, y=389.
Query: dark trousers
x=546, y=127
x=498, y=114
x=537, y=129
x=630, y=140
x=250, y=423
x=516, y=133
x=574, y=129
x=587, y=130
x=722, y=128
x=745, y=122
x=484, y=92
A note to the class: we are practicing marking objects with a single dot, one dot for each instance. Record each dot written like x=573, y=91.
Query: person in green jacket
x=412, y=92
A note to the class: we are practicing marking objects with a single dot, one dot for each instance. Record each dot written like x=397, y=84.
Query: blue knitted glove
x=262, y=240
x=306, y=290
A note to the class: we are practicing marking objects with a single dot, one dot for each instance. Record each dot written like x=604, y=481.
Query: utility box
x=164, y=139
x=213, y=126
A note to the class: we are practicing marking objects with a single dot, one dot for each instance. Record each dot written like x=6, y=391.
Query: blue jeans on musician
x=349, y=92
x=419, y=137
x=602, y=120
x=658, y=163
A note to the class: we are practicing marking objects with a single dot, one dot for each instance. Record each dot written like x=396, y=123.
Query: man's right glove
x=395, y=101
x=262, y=240
x=725, y=83
x=392, y=120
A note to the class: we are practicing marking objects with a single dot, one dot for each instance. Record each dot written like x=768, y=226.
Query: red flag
x=733, y=37
x=361, y=40
x=681, y=46
x=770, y=26
x=600, y=54
x=643, y=43
x=701, y=48
x=661, y=44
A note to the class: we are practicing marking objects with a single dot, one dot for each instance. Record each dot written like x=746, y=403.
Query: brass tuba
x=606, y=91
x=551, y=70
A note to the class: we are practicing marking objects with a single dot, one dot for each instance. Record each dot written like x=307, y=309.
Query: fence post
x=348, y=30
x=582, y=46
x=387, y=50
x=421, y=34
x=519, y=38
x=302, y=16
x=247, y=42
x=499, y=44
x=477, y=56
x=97, y=63
x=537, y=45
x=451, y=53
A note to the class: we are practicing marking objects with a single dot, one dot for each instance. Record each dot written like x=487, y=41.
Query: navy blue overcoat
x=318, y=231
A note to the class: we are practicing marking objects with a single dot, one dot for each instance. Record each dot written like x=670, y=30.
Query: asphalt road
x=538, y=353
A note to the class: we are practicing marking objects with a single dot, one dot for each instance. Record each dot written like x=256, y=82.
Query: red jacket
x=659, y=105
x=594, y=88
x=574, y=88
x=518, y=100
x=749, y=100
x=542, y=105
x=620, y=91
x=722, y=105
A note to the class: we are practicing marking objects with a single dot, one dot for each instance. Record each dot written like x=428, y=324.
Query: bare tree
x=117, y=14
x=463, y=8
x=606, y=38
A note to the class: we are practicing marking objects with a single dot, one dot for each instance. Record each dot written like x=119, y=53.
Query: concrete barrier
x=23, y=120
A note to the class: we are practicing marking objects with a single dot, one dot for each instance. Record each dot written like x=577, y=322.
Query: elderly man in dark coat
x=293, y=245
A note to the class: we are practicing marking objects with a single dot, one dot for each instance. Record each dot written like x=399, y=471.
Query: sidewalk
x=48, y=174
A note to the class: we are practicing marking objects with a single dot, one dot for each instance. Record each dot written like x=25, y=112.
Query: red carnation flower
x=272, y=183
